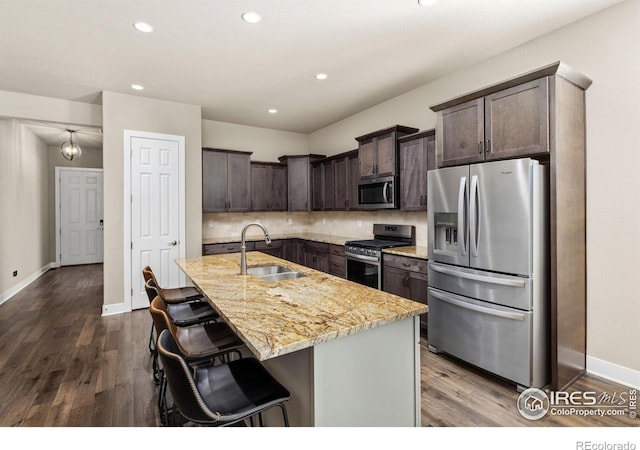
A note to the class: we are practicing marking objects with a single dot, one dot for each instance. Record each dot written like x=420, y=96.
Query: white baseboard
x=115, y=308
x=613, y=372
x=24, y=283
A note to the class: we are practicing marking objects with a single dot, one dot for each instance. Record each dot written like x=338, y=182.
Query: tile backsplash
x=358, y=224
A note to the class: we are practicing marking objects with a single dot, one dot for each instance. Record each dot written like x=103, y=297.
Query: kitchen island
x=348, y=354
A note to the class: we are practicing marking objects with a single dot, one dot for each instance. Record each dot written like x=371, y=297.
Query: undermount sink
x=274, y=272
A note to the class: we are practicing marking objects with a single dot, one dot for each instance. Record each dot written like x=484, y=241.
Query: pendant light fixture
x=70, y=149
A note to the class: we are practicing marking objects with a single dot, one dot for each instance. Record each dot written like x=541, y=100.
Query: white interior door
x=155, y=214
x=80, y=216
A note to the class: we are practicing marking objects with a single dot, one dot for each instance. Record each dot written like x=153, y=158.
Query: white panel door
x=155, y=218
x=81, y=226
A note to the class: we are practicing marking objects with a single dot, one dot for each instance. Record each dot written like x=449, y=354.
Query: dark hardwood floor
x=62, y=364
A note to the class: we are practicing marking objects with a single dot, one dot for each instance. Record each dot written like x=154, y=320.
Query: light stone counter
x=278, y=317
x=420, y=252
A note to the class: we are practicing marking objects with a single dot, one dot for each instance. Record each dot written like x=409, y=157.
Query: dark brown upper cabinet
x=299, y=180
x=268, y=186
x=225, y=180
x=510, y=123
x=417, y=153
x=335, y=182
x=378, y=151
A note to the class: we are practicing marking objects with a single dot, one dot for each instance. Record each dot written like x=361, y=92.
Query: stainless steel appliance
x=377, y=193
x=363, y=259
x=488, y=290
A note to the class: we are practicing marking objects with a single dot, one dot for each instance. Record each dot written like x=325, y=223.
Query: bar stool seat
x=220, y=395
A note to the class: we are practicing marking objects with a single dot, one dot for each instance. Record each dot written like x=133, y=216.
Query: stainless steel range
x=363, y=259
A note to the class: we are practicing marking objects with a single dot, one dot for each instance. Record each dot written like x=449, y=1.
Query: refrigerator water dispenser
x=446, y=232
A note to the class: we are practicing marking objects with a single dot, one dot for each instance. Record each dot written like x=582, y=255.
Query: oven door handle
x=373, y=259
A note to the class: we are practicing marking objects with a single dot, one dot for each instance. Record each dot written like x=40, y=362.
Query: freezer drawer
x=494, y=338
x=505, y=290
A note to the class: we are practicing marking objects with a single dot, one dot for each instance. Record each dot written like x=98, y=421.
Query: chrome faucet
x=243, y=248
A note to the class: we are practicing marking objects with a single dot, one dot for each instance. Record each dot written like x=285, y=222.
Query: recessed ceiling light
x=143, y=26
x=427, y=2
x=251, y=17
x=137, y=87
x=321, y=76
x=273, y=111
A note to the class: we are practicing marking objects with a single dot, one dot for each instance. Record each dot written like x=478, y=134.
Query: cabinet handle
x=489, y=146
x=480, y=147
x=406, y=265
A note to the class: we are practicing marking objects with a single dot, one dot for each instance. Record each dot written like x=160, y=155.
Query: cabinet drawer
x=317, y=246
x=231, y=247
x=405, y=263
x=262, y=245
x=337, y=265
x=337, y=250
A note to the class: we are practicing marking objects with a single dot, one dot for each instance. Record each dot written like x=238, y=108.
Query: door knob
x=173, y=243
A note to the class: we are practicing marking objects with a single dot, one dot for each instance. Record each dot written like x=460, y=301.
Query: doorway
x=154, y=212
x=79, y=216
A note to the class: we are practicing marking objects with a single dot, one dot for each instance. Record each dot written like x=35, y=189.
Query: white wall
x=24, y=207
x=265, y=144
x=606, y=48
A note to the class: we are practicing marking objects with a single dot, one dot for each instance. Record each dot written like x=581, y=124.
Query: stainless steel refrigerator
x=488, y=275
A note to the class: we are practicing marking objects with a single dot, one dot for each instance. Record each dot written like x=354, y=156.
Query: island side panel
x=293, y=371
x=370, y=378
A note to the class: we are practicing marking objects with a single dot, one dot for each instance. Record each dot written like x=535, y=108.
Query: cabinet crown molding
x=557, y=68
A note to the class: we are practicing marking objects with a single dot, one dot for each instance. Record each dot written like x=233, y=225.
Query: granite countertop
x=274, y=318
x=318, y=237
x=412, y=251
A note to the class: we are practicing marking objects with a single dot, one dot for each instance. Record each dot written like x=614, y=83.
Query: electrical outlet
x=359, y=223
x=289, y=221
x=15, y=273
x=211, y=224
x=324, y=221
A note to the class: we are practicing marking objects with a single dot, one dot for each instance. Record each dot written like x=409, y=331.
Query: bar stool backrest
x=161, y=319
x=181, y=384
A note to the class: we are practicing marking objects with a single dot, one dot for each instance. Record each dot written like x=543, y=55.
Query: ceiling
x=202, y=53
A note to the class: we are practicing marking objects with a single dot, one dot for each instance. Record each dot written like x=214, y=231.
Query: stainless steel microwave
x=377, y=193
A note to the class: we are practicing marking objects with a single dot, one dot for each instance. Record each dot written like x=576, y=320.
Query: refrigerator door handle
x=478, y=277
x=462, y=215
x=473, y=307
x=474, y=216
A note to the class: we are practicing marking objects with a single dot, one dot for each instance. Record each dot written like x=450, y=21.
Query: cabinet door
x=298, y=173
x=238, y=182
x=418, y=292
x=366, y=158
x=413, y=175
x=214, y=181
x=341, y=167
x=278, y=200
x=317, y=187
x=260, y=192
x=517, y=121
x=386, y=149
x=322, y=262
x=353, y=180
x=394, y=281
x=329, y=186
x=460, y=134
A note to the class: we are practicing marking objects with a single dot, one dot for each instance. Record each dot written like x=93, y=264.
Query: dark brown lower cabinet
x=406, y=277
x=336, y=260
x=316, y=255
x=275, y=248
x=230, y=247
x=293, y=250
